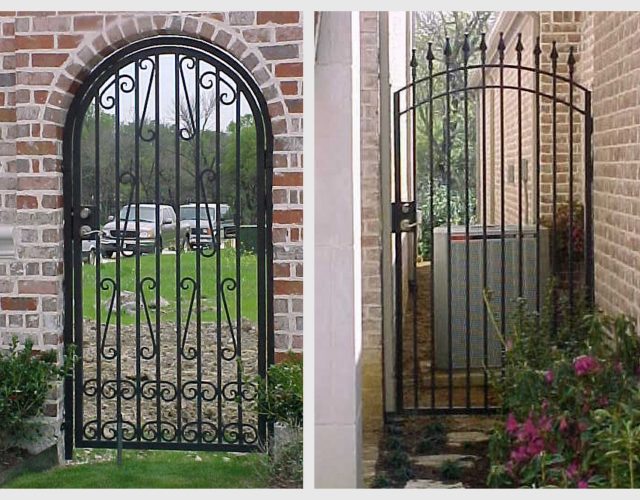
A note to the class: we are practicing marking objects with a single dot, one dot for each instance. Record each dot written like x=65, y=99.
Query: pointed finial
x=501, y=47
x=430, y=55
x=571, y=61
x=554, y=54
x=536, y=50
x=447, y=49
x=466, y=48
x=413, y=63
x=483, y=47
x=519, y=48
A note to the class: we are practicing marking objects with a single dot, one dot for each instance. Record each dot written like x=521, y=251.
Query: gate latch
x=403, y=216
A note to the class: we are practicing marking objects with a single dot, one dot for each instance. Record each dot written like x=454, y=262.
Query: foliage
x=566, y=230
x=441, y=206
x=434, y=437
x=398, y=465
x=570, y=393
x=285, y=467
x=280, y=394
x=381, y=481
x=25, y=379
x=450, y=470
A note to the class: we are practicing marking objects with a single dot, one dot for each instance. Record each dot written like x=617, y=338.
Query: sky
x=167, y=93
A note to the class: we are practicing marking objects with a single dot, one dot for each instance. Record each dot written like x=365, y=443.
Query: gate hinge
x=403, y=216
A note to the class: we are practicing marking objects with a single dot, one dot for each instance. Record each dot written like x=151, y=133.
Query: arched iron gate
x=168, y=250
x=499, y=203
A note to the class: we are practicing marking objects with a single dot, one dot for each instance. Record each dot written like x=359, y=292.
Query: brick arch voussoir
x=127, y=29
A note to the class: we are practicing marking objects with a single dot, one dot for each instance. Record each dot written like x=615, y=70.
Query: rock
x=129, y=307
x=429, y=483
x=198, y=458
x=152, y=303
x=458, y=439
x=436, y=461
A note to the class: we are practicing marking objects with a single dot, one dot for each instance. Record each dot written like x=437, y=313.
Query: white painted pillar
x=338, y=422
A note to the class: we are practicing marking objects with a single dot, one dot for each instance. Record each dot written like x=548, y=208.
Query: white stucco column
x=338, y=428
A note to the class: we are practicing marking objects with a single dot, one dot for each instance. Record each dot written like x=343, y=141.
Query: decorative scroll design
x=207, y=81
x=188, y=63
x=143, y=65
x=149, y=390
x=109, y=389
x=208, y=434
x=215, y=238
x=109, y=430
x=166, y=430
x=111, y=352
x=192, y=352
x=228, y=285
x=145, y=353
x=236, y=391
x=127, y=85
x=239, y=432
x=193, y=389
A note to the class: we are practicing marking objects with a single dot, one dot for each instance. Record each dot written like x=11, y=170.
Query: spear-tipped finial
x=430, y=55
x=413, y=63
x=519, y=48
x=571, y=60
x=537, y=50
x=466, y=48
x=447, y=49
x=501, y=47
x=483, y=47
x=554, y=54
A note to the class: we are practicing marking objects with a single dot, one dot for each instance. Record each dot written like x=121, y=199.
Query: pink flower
x=564, y=425
x=535, y=447
x=603, y=401
x=511, y=425
x=519, y=454
x=572, y=470
x=583, y=484
x=585, y=365
x=548, y=377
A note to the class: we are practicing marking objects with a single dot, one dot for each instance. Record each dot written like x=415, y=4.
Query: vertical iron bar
x=198, y=253
x=503, y=298
x=138, y=127
x=118, y=254
x=159, y=243
x=520, y=235
x=554, y=185
x=466, y=50
x=237, y=218
x=398, y=256
x=264, y=338
x=570, y=62
x=416, y=391
x=431, y=224
x=176, y=98
x=536, y=54
x=96, y=107
x=218, y=255
x=485, y=319
x=447, y=148
x=588, y=202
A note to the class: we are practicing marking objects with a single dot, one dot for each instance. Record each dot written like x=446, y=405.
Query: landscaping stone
x=430, y=483
x=460, y=438
x=437, y=461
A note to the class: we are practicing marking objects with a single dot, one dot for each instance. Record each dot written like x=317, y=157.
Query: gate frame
x=403, y=212
x=203, y=50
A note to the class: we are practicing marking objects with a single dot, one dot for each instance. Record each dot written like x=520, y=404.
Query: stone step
x=458, y=439
x=430, y=483
x=437, y=461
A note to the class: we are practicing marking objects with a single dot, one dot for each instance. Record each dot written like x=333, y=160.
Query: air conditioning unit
x=458, y=282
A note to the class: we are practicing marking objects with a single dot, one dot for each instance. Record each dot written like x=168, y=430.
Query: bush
x=570, y=393
x=280, y=394
x=25, y=380
x=285, y=466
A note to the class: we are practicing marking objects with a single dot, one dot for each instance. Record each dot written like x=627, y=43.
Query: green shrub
x=280, y=394
x=450, y=471
x=381, y=481
x=285, y=466
x=25, y=380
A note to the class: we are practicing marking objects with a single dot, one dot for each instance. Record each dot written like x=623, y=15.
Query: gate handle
x=406, y=226
x=86, y=231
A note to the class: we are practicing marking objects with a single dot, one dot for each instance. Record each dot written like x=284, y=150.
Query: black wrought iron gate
x=492, y=183
x=168, y=254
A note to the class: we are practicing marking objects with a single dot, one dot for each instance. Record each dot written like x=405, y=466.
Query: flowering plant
x=567, y=384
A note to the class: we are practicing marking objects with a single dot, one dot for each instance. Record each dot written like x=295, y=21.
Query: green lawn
x=152, y=469
x=248, y=277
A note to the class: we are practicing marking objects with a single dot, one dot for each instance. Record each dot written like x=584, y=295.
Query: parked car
x=189, y=214
x=89, y=252
x=147, y=236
